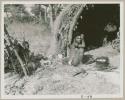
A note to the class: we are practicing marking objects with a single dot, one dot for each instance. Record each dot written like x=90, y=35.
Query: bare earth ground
x=60, y=79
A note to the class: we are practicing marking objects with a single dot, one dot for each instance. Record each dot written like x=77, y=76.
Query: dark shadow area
x=97, y=22
x=88, y=59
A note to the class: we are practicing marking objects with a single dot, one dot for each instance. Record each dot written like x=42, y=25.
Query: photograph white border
x=61, y=96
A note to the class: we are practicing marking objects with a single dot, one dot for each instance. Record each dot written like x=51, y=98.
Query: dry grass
x=38, y=35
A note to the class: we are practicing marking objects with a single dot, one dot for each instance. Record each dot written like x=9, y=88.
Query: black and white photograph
x=62, y=49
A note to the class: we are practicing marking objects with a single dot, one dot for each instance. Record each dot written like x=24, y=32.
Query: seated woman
x=78, y=48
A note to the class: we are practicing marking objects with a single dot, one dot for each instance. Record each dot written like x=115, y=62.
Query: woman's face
x=78, y=39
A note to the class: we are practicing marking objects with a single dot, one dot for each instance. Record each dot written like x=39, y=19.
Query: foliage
x=116, y=42
x=46, y=13
x=37, y=9
x=16, y=12
x=12, y=64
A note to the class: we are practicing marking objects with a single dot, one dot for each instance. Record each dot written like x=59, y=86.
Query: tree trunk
x=51, y=18
x=45, y=15
x=40, y=14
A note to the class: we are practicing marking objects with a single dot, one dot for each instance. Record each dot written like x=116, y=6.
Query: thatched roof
x=67, y=22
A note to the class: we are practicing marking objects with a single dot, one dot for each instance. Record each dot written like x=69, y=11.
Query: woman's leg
x=76, y=59
x=81, y=54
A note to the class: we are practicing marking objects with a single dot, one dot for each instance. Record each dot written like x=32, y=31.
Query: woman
x=78, y=47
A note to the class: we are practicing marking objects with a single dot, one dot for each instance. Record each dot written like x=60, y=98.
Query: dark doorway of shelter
x=93, y=22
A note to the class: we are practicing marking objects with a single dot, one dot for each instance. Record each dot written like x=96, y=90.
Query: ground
x=62, y=79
